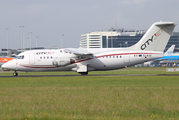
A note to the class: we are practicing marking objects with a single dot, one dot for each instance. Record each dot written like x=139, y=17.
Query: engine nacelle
x=62, y=61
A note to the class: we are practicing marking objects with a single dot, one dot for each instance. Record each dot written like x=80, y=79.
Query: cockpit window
x=20, y=57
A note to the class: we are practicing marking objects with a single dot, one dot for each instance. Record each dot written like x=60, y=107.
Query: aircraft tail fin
x=169, y=51
x=156, y=38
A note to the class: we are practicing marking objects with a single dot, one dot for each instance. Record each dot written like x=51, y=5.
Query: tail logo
x=169, y=52
x=146, y=43
x=155, y=36
x=158, y=33
x=5, y=60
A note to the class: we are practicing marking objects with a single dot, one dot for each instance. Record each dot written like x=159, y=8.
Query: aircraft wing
x=78, y=52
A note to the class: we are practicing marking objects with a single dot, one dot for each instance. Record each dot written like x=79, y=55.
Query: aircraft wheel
x=15, y=74
x=84, y=73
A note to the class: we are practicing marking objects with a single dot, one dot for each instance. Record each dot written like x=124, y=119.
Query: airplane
x=149, y=47
x=168, y=54
x=170, y=58
x=174, y=58
x=4, y=60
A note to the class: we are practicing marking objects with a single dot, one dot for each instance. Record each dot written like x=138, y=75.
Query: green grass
x=90, y=97
x=130, y=70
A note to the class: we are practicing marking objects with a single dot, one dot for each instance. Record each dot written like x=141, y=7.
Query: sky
x=56, y=20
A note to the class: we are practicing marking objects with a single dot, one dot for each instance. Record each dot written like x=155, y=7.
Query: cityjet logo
x=146, y=43
x=154, y=37
x=41, y=53
x=44, y=53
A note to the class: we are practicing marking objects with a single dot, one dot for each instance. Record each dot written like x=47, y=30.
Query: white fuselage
x=149, y=47
x=102, y=59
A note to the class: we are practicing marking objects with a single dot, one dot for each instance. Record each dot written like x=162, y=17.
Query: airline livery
x=150, y=47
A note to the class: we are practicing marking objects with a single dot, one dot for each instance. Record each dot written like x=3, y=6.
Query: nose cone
x=11, y=65
x=3, y=66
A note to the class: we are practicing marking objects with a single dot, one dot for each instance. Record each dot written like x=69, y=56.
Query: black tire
x=84, y=73
x=15, y=74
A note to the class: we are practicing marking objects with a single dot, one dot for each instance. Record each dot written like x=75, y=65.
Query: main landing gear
x=84, y=73
x=15, y=73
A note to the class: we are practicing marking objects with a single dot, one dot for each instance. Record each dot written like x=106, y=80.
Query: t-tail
x=156, y=38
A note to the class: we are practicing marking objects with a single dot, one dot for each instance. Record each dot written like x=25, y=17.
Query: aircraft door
x=31, y=58
x=16, y=64
x=126, y=57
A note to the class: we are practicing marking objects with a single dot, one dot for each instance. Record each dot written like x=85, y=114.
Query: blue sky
x=49, y=19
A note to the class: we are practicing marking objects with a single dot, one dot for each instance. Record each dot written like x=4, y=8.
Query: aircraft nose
x=9, y=65
x=4, y=66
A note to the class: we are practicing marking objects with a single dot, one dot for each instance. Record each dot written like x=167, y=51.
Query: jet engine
x=62, y=61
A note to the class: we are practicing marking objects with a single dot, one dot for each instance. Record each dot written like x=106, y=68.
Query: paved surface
x=90, y=75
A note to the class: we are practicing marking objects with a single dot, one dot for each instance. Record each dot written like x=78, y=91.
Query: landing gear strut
x=15, y=73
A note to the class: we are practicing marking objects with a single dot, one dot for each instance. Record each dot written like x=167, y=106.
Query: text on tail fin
x=154, y=37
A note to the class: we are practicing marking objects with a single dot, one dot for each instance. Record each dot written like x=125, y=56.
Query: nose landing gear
x=15, y=73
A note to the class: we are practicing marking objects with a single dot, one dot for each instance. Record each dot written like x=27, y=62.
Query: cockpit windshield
x=20, y=57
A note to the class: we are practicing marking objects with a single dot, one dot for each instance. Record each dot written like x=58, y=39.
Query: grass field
x=130, y=70
x=90, y=97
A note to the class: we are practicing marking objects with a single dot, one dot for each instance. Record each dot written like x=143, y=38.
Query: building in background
x=13, y=52
x=117, y=38
x=113, y=38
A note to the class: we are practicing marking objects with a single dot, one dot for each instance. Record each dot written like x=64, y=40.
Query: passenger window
x=51, y=57
x=47, y=57
x=44, y=57
x=116, y=56
x=40, y=57
x=22, y=57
